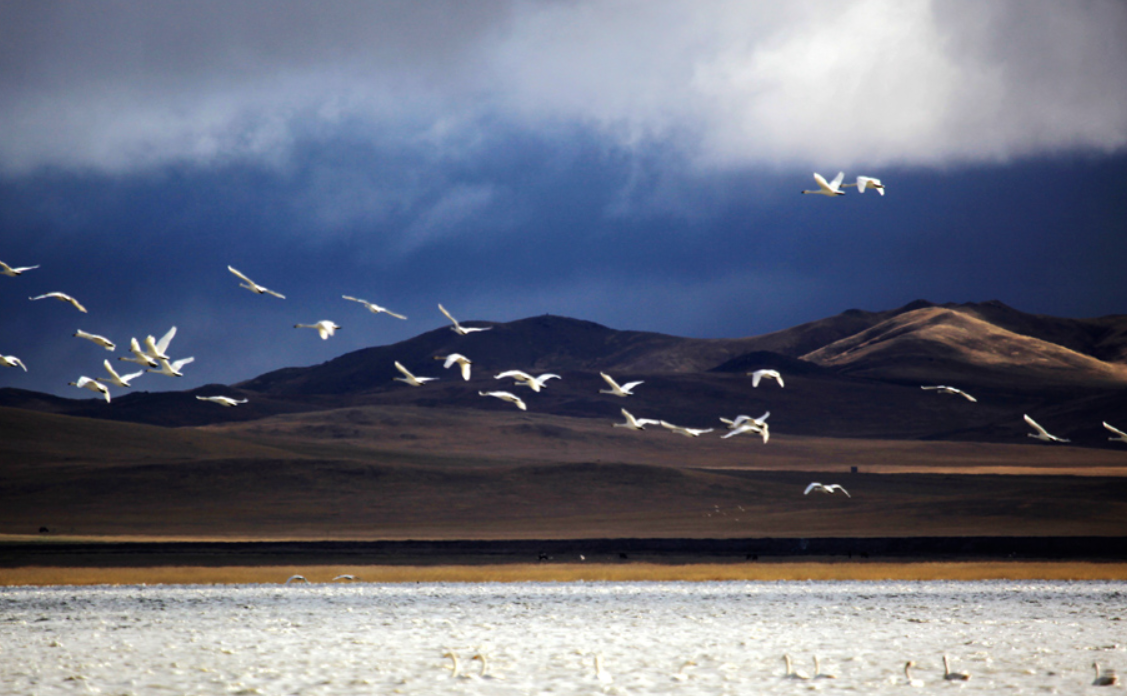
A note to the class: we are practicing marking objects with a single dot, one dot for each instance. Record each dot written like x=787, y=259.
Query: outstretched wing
x=812, y=487
x=443, y=310
x=1036, y=426
x=836, y=183
x=240, y=275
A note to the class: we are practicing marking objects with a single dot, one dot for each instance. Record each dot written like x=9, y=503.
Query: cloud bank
x=127, y=86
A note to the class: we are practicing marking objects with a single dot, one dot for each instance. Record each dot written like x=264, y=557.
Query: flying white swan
x=171, y=369
x=345, y=576
x=458, y=328
x=687, y=432
x=1120, y=435
x=1041, y=433
x=833, y=188
x=533, y=383
x=464, y=362
x=62, y=297
x=95, y=338
x=325, y=328
x=222, y=400
x=12, y=361
x=93, y=385
x=636, y=423
x=253, y=286
x=506, y=396
x=374, y=308
x=944, y=389
x=409, y=378
x=615, y=389
x=116, y=379
x=769, y=374
x=953, y=676
x=819, y=674
x=825, y=489
x=908, y=674
x=747, y=424
x=7, y=270
x=159, y=349
x=139, y=355
x=867, y=182
x=296, y=578
x=1106, y=677
x=791, y=673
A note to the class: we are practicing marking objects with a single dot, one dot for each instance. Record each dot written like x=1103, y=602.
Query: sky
x=635, y=163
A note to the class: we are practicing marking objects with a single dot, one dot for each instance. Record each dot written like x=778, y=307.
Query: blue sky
x=632, y=163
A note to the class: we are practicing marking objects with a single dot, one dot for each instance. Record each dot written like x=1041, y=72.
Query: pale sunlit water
x=541, y=638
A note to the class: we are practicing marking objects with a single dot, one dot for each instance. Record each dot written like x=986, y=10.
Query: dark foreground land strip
x=478, y=552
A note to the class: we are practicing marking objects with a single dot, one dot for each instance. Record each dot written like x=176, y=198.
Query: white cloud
x=730, y=83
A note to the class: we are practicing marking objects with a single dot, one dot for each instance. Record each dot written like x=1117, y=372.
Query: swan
x=506, y=396
x=908, y=675
x=62, y=297
x=171, y=369
x=683, y=673
x=769, y=374
x=456, y=667
x=600, y=673
x=484, y=674
x=953, y=676
x=374, y=308
x=346, y=576
x=687, y=432
x=460, y=359
x=140, y=356
x=1121, y=436
x=791, y=673
x=825, y=489
x=867, y=182
x=324, y=327
x=409, y=378
x=295, y=578
x=533, y=383
x=116, y=379
x=95, y=338
x=253, y=286
x=944, y=389
x=222, y=400
x=13, y=272
x=12, y=361
x=833, y=188
x=749, y=427
x=93, y=385
x=458, y=328
x=159, y=349
x=1106, y=677
x=1041, y=433
x=636, y=423
x=616, y=390
x=819, y=674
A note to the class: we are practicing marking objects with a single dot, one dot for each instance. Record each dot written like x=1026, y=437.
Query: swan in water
x=944, y=389
x=171, y=369
x=409, y=378
x=506, y=396
x=791, y=673
x=523, y=378
x=908, y=674
x=832, y=188
x=296, y=578
x=1120, y=435
x=758, y=375
x=635, y=423
x=62, y=297
x=1041, y=433
x=484, y=673
x=819, y=674
x=12, y=361
x=374, y=308
x=7, y=270
x=95, y=338
x=253, y=286
x=460, y=359
x=324, y=327
x=116, y=379
x=139, y=355
x=222, y=400
x=456, y=666
x=458, y=328
x=93, y=385
x=953, y=676
x=1106, y=677
x=615, y=389
x=600, y=673
x=159, y=349
x=687, y=432
x=867, y=182
x=683, y=673
x=825, y=489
